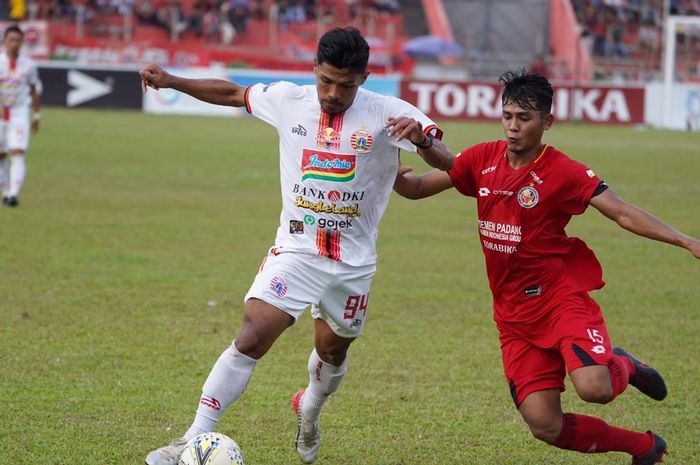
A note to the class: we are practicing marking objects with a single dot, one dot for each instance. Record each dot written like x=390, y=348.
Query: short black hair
x=13, y=28
x=527, y=90
x=343, y=48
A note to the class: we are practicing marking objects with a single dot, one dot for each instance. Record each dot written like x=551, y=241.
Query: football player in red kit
x=548, y=325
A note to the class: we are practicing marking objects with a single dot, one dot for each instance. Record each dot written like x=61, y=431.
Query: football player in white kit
x=19, y=80
x=339, y=147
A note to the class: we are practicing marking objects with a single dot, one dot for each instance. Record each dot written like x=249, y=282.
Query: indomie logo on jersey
x=327, y=166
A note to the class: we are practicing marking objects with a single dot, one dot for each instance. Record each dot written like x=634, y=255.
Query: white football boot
x=308, y=439
x=168, y=455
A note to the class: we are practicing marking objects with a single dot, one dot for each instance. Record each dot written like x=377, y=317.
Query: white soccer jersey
x=337, y=171
x=15, y=79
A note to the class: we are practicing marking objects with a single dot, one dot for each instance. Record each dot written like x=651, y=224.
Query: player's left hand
x=403, y=169
x=35, y=126
x=405, y=128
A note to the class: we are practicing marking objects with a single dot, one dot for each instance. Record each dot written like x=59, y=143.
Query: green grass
x=123, y=271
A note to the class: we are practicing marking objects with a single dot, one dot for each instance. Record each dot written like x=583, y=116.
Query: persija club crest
x=278, y=286
x=361, y=141
x=528, y=197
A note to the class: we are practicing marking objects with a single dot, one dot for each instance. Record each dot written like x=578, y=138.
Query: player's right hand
x=154, y=76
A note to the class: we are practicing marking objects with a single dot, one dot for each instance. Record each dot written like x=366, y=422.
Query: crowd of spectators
x=625, y=37
x=215, y=20
x=627, y=28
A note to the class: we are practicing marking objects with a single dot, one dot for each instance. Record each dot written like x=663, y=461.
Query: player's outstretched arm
x=216, y=91
x=420, y=187
x=638, y=221
x=432, y=150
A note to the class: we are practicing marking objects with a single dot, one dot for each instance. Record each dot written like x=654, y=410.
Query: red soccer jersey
x=530, y=260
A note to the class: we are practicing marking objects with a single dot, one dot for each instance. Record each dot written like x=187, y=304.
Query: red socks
x=620, y=370
x=589, y=434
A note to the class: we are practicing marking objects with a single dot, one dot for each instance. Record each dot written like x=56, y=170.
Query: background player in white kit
x=339, y=148
x=19, y=80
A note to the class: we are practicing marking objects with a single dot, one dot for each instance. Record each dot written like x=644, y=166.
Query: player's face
x=13, y=42
x=337, y=87
x=523, y=128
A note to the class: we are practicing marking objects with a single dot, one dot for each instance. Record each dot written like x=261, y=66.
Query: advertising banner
x=69, y=86
x=482, y=101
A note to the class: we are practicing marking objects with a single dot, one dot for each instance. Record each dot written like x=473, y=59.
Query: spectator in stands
x=18, y=10
x=146, y=13
x=226, y=28
x=649, y=40
x=599, y=29
x=386, y=6
x=239, y=14
x=48, y=9
x=309, y=9
x=210, y=23
x=354, y=8
x=259, y=10
x=173, y=17
x=325, y=11
x=616, y=46
x=294, y=12
x=196, y=19
x=538, y=66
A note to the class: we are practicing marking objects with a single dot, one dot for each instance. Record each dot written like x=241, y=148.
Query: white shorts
x=14, y=132
x=337, y=292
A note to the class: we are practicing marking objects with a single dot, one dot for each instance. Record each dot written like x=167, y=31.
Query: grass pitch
x=122, y=275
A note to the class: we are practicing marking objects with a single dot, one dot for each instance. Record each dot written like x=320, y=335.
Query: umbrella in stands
x=432, y=46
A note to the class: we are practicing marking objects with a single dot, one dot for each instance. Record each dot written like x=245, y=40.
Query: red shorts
x=536, y=356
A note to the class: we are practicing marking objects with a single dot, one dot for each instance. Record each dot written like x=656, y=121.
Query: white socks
x=17, y=170
x=225, y=384
x=4, y=175
x=229, y=378
x=324, y=380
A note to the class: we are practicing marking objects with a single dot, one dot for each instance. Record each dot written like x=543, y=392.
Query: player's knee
x=252, y=341
x=545, y=431
x=598, y=392
x=250, y=346
x=334, y=356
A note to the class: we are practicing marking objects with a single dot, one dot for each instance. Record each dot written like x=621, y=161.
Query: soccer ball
x=211, y=449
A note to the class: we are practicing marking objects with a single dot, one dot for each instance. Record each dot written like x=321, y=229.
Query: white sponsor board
x=684, y=106
x=169, y=101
